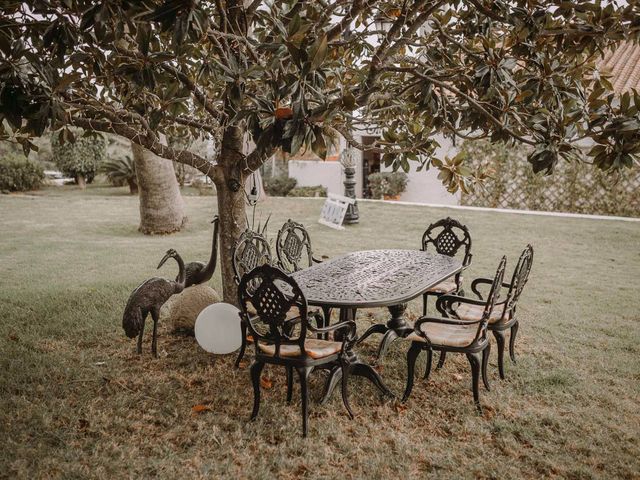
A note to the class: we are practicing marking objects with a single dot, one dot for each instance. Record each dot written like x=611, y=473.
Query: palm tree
x=121, y=171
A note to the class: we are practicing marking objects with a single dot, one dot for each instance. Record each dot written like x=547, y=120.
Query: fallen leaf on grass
x=199, y=408
x=243, y=364
x=266, y=382
x=400, y=407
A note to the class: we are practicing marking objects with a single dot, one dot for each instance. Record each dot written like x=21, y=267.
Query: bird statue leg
x=154, y=342
x=140, y=337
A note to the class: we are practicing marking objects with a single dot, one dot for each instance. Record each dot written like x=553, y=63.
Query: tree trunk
x=229, y=183
x=161, y=205
x=81, y=181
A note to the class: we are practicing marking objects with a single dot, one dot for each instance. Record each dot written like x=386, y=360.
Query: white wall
x=310, y=173
x=425, y=186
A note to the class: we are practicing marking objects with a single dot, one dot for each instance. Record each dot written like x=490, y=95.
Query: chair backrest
x=494, y=292
x=519, y=278
x=448, y=237
x=251, y=251
x=273, y=294
x=293, y=247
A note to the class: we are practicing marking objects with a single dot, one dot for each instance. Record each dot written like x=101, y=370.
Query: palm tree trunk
x=161, y=205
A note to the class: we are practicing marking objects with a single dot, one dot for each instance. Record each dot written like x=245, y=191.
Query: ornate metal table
x=374, y=278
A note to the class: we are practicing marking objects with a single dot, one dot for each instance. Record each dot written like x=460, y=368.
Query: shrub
x=120, y=172
x=19, y=174
x=81, y=158
x=315, y=191
x=279, y=186
x=387, y=183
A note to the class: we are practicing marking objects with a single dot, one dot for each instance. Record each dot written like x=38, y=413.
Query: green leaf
x=319, y=145
x=318, y=52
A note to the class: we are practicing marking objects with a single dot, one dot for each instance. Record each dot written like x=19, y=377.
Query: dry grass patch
x=78, y=402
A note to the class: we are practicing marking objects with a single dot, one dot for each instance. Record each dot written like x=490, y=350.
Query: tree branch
x=472, y=101
x=164, y=151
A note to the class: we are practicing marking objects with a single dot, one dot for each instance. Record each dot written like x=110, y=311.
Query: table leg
x=356, y=367
x=396, y=327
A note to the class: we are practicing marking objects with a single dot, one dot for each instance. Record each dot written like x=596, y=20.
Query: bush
x=19, y=174
x=279, y=186
x=79, y=159
x=315, y=191
x=120, y=172
x=389, y=184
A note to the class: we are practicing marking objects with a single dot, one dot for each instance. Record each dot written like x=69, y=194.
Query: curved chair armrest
x=350, y=324
x=484, y=281
x=448, y=321
x=444, y=303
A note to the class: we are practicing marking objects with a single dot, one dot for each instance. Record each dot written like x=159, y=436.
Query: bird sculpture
x=149, y=297
x=198, y=272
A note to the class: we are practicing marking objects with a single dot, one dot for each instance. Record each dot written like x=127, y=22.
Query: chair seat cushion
x=446, y=335
x=315, y=348
x=467, y=311
x=447, y=286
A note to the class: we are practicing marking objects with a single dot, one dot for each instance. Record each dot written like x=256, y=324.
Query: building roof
x=623, y=64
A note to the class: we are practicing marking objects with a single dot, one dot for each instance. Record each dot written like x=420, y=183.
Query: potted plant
x=388, y=185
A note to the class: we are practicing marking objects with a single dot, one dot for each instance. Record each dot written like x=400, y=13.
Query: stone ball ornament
x=217, y=328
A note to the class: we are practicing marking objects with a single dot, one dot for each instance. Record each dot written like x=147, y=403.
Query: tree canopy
x=295, y=73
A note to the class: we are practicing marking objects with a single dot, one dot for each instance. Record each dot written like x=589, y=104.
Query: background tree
x=121, y=171
x=161, y=204
x=293, y=74
x=78, y=158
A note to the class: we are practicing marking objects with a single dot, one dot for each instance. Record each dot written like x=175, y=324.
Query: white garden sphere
x=218, y=328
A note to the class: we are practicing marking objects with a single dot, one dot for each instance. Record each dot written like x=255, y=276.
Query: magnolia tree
x=291, y=75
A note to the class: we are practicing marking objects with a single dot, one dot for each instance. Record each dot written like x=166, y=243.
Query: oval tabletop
x=374, y=278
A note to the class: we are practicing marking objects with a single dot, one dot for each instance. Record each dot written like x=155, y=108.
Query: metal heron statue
x=149, y=297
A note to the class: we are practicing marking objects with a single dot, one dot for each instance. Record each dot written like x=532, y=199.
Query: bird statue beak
x=164, y=259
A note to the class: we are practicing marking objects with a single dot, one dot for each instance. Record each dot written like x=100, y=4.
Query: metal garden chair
x=454, y=335
x=447, y=237
x=293, y=247
x=504, y=316
x=280, y=331
x=251, y=250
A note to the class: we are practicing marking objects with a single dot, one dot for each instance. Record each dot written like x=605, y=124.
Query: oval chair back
x=273, y=294
x=251, y=251
x=492, y=298
x=293, y=247
x=518, y=281
x=448, y=236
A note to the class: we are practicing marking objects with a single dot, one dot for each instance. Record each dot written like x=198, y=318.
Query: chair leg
x=512, y=341
x=243, y=346
x=425, y=299
x=474, y=360
x=256, y=371
x=427, y=370
x=345, y=367
x=499, y=334
x=303, y=373
x=485, y=362
x=289, y=384
x=412, y=356
x=443, y=356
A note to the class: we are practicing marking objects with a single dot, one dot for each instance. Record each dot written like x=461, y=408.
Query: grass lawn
x=76, y=401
